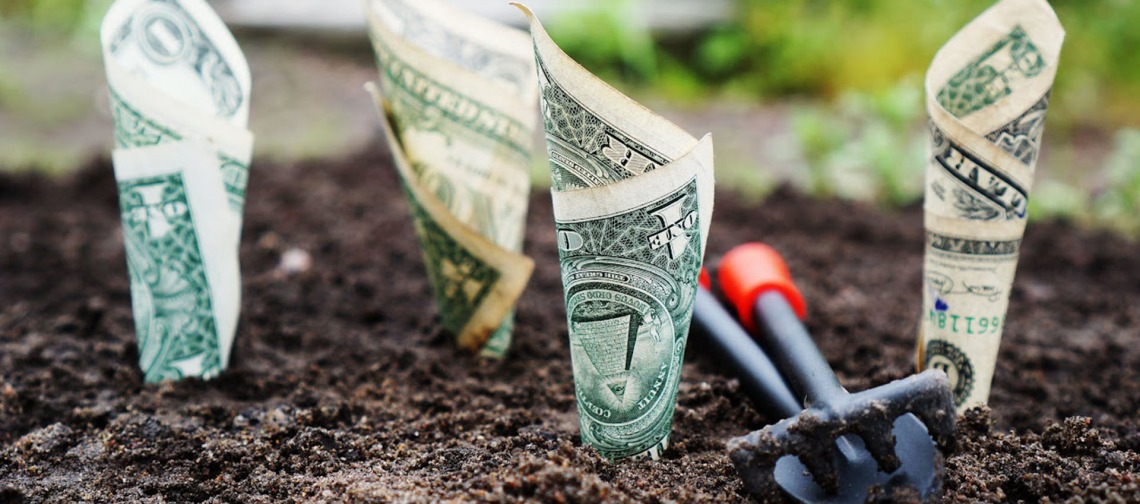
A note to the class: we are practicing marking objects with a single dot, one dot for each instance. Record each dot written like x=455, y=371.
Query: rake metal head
x=885, y=436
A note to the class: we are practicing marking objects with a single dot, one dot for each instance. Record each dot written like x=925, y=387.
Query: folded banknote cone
x=987, y=94
x=633, y=199
x=179, y=94
x=457, y=99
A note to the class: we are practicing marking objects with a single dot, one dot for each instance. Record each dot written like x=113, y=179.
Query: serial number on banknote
x=961, y=324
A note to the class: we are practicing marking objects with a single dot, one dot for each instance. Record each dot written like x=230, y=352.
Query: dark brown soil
x=342, y=386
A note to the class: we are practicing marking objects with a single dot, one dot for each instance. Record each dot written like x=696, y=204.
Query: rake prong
x=820, y=462
x=933, y=404
x=879, y=440
x=941, y=427
x=808, y=437
x=756, y=464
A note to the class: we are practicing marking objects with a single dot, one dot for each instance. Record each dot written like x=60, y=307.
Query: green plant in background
x=78, y=18
x=851, y=68
x=868, y=146
x=48, y=48
x=1054, y=199
x=827, y=48
x=722, y=52
x=893, y=148
x=60, y=15
x=609, y=41
x=1118, y=203
x=820, y=138
x=860, y=64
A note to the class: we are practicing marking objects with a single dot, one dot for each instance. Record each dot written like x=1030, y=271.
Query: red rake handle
x=753, y=269
x=756, y=281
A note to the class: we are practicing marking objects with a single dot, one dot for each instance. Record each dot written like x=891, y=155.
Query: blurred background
x=823, y=94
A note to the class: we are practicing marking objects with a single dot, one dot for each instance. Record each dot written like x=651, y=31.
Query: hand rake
x=843, y=446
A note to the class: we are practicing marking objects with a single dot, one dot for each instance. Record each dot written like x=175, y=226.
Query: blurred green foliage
x=613, y=41
x=866, y=146
x=1118, y=202
x=853, y=70
x=827, y=48
x=777, y=48
x=56, y=17
x=1114, y=204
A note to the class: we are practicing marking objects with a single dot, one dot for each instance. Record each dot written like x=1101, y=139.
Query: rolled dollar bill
x=179, y=93
x=633, y=199
x=458, y=100
x=987, y=93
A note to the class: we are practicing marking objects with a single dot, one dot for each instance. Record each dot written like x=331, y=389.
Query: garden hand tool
x=901, y=425
x=857, y=471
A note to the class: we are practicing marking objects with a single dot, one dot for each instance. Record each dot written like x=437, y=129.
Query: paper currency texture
x=179, y=94
x=633, y=199
x=987, y=94
x=458, y=100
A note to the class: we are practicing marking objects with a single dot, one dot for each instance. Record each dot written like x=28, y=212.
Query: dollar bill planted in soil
x=632, y=198
x=987, y=94
x=179, y=93
x=458, y=101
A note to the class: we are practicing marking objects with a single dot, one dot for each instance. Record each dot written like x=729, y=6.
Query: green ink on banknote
x=235, y=176
x=133, y=129
x=500, y=341
x=629, y=281
x=989, y=78
x=424, y=93
x=171, y=298
x=584, y=150
x=459, y=280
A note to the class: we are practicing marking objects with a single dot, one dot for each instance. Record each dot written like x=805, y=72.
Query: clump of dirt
x=342, y=385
